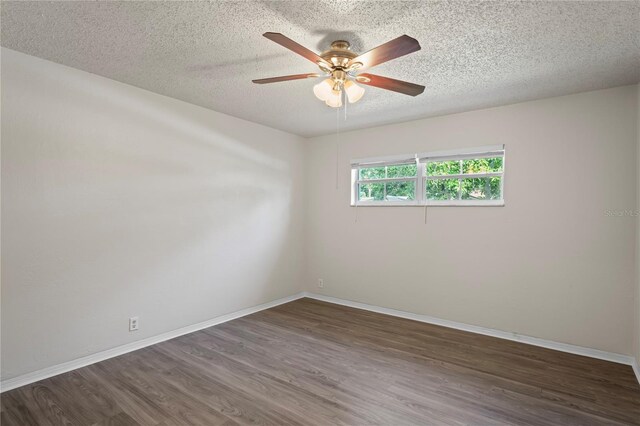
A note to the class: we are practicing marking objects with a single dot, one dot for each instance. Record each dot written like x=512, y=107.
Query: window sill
x=492, y=203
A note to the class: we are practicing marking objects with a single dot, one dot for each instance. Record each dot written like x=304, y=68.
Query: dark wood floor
x=314, y=363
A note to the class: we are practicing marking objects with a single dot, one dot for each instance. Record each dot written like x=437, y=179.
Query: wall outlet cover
x=133, y=323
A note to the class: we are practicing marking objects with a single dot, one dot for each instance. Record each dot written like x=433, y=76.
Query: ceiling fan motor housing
x=339, y=54
x=339, y=58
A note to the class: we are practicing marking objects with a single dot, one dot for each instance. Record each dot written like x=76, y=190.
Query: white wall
x=550, y=264
x=119, y=202
x=636, y=334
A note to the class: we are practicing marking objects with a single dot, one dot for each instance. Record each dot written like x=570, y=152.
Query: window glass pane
x=482, y=165
x=401, y=191
x=404, y=170
x=481, y=189
x=438, y=168
x=371, y=192
x=442, y=189
x=372, y=173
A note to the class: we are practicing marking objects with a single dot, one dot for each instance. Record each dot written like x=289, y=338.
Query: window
x=388, y=183
x=454, y=178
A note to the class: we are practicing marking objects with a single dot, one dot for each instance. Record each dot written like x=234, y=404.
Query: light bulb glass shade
x=335, y=99
x=323, y=89
x=354, y=92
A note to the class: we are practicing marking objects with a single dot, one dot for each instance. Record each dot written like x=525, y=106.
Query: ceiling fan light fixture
x=335, y=99
x=354, y=92
x=323, y=89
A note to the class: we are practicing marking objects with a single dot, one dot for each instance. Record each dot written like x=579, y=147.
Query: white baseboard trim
x=636, y=369
x=563, y=347
x=25, y=379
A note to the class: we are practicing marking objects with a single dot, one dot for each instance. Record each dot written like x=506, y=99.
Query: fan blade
x=387, y=83
x=393, y=49
x=285, y=78
x=294, y=47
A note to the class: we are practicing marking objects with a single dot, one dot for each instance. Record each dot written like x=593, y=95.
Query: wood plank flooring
x=314, y=363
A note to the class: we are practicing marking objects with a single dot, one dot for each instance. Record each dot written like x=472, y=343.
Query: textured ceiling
x=474, y=54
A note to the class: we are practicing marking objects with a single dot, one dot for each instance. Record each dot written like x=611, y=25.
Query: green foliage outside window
x=480, y=165
x=442, y=189
x=401, y=191
x=480, y=189
x=396, y=191
x=445, y=188
x=372, y=191
x=470, y=188
x=403, y=170
x=373, y=173
x=439, y=168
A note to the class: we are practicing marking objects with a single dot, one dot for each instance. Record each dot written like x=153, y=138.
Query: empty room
x=323, y=212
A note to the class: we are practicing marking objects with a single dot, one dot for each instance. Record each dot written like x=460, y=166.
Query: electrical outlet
x=320, y=283
x=133, y=323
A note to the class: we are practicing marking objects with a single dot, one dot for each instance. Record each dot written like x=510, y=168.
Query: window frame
x=421, y=177
x=356, y=182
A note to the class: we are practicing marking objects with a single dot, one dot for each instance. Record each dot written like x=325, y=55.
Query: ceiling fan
x=341, y=66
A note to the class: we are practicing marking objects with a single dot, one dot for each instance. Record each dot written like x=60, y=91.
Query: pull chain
x=343, y=96
x=337, y=145
x=345, y=106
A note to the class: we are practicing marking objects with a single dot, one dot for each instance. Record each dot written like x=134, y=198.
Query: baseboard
x=563, y=347
x=636, y=369
x=45, y=373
